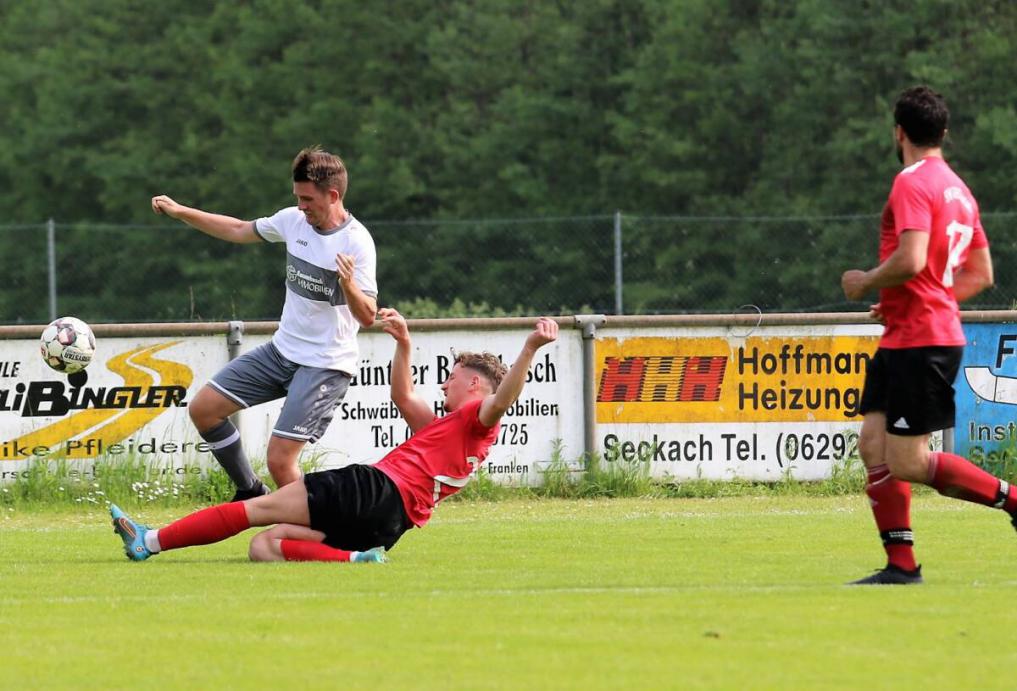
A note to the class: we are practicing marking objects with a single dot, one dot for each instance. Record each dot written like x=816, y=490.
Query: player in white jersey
x=331, y=291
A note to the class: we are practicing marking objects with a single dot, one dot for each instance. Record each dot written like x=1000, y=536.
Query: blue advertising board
x=986, y=394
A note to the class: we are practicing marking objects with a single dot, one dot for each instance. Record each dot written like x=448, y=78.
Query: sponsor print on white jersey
x=317, y=328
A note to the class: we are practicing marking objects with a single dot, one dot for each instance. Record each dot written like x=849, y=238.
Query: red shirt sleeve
x=472, y=412
x=911, y=204
x=979, y=239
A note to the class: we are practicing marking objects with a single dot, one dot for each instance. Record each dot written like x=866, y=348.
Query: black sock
x=224, y=441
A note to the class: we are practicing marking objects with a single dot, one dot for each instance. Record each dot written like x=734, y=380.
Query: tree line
x=453, y=109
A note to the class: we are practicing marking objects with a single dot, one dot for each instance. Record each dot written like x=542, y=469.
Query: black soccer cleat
x=258, y=490
x=1013, y=520
x=892, y=575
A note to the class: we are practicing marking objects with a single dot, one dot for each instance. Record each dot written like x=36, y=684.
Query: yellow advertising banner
x=756, y=379
x=93, y=420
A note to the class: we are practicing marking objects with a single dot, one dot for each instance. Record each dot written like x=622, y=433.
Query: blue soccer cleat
x=133, y=534
x=375, y=555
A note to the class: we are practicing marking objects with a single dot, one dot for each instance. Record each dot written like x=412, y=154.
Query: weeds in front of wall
x=134, y=481
x=1000, y=462
x=129, y=481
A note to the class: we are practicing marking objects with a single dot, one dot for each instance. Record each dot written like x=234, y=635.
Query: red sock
x=206, y=526
x=305, y=550
x=953, y=476
x=890, y=499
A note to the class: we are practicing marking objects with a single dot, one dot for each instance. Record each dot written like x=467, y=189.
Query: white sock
x=152, y=541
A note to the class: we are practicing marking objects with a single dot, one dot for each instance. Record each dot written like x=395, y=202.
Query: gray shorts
x=263, y=374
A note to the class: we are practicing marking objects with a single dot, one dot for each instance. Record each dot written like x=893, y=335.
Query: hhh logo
x=658, y=379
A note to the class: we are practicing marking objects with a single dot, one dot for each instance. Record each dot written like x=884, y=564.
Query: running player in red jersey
x=933, y=253
x=357, y=512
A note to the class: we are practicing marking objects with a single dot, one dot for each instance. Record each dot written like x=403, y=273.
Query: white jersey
x=317, y=328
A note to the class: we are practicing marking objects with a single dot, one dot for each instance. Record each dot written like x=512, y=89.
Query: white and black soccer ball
x=68, y=345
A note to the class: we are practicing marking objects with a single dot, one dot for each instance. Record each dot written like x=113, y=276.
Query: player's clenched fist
x=853, y=283
x=544, y=332
x=394, y=324
x=162, y=204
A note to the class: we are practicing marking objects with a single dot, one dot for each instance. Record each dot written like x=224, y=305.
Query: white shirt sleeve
x=365, y=261
x=273, y=228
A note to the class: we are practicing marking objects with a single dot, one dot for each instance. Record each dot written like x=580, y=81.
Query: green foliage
x=129, y=481
x=458, y=110
x=425, y=308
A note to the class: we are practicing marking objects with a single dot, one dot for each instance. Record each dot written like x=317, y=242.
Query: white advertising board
x=689, y=401
x=367, y=425
x=132, y=404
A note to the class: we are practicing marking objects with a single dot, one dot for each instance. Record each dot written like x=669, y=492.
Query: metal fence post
x=618, y=262
x=51, y=262
x=589, y=323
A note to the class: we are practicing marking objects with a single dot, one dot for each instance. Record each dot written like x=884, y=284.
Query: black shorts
x=357, y=507
x=914, y=387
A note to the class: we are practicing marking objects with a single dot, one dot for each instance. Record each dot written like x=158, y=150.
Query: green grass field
x=627, y=593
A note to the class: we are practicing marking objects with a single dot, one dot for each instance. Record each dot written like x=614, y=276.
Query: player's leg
x=889, y=497
x=284, y=459
x=956, y=477
x=255, y=377
x=311, y=401
x=214, y=524
x=210, y=411
x=287, y=542
x=932, y=408
x=266, y=545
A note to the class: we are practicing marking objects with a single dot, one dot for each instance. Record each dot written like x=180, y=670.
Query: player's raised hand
x=544, y=332
x=394, y=324
x=344, y=266
x=162, y=204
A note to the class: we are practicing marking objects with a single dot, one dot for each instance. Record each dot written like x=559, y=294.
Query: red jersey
x=438, y=460
x=930, y=198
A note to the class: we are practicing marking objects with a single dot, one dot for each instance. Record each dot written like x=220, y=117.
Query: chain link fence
x=615, y=263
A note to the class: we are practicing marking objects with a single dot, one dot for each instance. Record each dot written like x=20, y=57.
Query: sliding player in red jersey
x=357, y=512
x=933, y=254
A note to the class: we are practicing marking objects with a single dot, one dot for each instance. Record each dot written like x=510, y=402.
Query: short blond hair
x=486, y=364
x=327, y=171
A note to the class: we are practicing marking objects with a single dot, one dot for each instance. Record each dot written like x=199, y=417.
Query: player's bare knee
x=283, y=470
x=263, y=547
x=256, y=548
x=197, y=414
x=870, y=448
x=202, y=415
x=907, y=467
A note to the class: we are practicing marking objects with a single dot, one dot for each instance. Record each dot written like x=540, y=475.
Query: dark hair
x=488, y=365
x=325, y=170
x=923, y=115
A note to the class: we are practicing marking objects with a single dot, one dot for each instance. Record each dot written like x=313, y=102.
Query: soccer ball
x=68, y=345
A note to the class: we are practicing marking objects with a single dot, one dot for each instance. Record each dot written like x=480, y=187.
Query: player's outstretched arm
x=218, y=226
x=414, y=409
x=974, y=276
x=495, y=405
